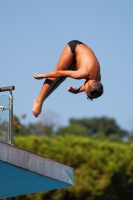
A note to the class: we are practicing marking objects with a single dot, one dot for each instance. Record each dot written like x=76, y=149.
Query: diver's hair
x=95, y=90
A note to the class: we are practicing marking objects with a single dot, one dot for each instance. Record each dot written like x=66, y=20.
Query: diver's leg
x=55, y=84
x=65, y=61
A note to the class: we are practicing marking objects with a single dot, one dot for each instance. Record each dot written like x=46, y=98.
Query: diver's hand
x=38, y=76
x=72, y=89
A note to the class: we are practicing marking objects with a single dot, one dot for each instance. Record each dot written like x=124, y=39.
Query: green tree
x=19, y=128
x=105, y=125
x=73, y=129
x=41, y=129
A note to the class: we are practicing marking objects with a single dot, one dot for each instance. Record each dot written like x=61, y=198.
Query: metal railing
x=6, y=115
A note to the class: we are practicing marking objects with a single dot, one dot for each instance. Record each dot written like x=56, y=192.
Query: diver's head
x=93, y=89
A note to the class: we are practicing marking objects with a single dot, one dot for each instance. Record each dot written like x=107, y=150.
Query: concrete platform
x=22, y=172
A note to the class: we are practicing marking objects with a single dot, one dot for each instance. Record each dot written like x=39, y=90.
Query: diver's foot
x=37, y=108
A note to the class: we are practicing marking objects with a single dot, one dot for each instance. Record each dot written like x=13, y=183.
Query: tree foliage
x=101, y=128
x=100, y=125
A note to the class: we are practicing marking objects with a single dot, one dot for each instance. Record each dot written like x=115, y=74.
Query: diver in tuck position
x=77, y=61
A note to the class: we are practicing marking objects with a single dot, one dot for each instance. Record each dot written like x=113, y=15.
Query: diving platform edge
x=23, y=172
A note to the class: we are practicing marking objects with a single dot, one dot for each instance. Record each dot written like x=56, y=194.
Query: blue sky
x=32, y=36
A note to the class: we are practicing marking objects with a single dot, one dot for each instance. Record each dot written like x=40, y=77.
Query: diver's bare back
x=86, y=60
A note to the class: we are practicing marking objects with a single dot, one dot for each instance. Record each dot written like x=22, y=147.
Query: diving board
x=22, y=172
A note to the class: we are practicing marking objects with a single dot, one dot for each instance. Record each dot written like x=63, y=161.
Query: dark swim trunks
x=73, y=44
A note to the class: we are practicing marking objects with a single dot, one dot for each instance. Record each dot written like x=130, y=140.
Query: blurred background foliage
x=91, y=127
x=100, y=152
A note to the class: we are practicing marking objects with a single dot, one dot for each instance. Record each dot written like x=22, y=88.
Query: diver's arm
x=60, y=73
x=76, y=91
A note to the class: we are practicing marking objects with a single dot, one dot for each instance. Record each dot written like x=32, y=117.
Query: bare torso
x=87, y=61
